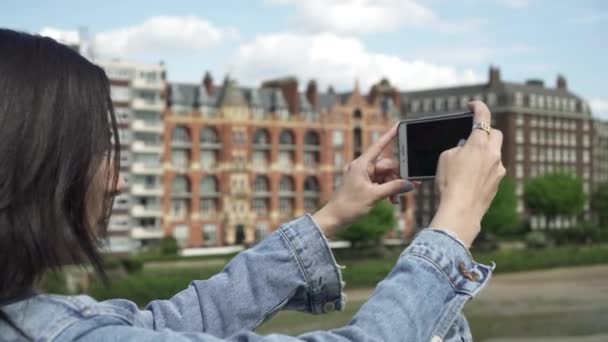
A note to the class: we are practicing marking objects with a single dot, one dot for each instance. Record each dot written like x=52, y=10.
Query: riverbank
x=570, y=303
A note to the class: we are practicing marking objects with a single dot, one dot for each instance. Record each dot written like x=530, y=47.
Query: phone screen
x=426, y=140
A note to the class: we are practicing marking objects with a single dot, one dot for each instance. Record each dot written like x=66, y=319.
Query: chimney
x=312, y=95
x=561, y=82
x=289, y=87
x=208, y=83
x=494, y=76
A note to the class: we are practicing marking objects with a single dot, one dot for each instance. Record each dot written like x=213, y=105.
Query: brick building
x=545, y=129
x=238, y=161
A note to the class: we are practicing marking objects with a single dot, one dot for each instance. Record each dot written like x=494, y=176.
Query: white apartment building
x=137, y=94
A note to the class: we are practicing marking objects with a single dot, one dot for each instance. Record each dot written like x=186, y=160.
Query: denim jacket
x=293, y=269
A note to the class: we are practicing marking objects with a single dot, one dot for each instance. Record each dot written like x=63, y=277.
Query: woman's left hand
x=367, y=180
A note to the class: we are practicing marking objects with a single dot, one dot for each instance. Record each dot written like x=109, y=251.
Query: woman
x=59, y=173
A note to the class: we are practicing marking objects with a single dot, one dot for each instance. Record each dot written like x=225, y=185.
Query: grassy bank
x=158, y=282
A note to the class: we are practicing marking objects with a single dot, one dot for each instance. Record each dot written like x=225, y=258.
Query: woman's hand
x=367, y=180
x=468, y=178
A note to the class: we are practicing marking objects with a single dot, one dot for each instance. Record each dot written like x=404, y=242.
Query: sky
x=416, y=44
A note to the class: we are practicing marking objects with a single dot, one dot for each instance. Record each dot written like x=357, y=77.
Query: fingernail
x=408, y=187
x=462, y=142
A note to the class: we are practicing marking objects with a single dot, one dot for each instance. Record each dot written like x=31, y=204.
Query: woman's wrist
x=459, y=220
x=327, y=221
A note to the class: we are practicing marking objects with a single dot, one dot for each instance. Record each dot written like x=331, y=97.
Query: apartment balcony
x=146, y=126
x=149, y=211
x=141, y=190
x=142, y=83
x=147, y=169
x=147, y=147
x=140, y=233
x=156, y=105
x=182, y=144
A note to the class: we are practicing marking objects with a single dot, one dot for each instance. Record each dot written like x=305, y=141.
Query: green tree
x=168, y=246
x=501, y=218
x=600, y=204
x=555, y=194
x=370, y=229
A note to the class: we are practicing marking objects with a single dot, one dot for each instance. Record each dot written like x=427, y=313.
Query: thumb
x=395, y=187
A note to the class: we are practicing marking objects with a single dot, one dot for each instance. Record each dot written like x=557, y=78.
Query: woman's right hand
x=468, y=177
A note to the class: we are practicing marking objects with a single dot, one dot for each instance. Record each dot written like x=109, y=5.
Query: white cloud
x=60, y=35
x=162, y=34
x=599, y=107
x=368, y=16
x=335, y=60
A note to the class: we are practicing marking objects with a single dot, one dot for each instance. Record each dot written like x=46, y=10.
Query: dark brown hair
x=57, y=125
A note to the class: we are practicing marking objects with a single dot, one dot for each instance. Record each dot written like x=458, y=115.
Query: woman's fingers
x=374, y=151
x=386, y=166
x=481, y=114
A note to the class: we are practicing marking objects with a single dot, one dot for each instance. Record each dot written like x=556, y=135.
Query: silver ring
x=483, y=126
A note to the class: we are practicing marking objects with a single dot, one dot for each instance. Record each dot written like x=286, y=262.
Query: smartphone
x=421, y=141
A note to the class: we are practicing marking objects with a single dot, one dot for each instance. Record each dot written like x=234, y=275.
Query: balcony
x=141, y=190
x=146, y=211
x=147, y=146
x=147, y=168
x=142, y=83
x=140, y=233
x=156, y=105
x=147, y=126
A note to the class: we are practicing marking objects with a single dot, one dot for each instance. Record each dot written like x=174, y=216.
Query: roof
x=231, y=95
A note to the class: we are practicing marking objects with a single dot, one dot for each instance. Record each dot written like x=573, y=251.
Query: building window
x=312, y=194
x=532, y=100
x=586, y=140
x=210, y=235
x=519, y=170
x=337, y=181
x=452, y=102
x=180, y=187
x=491, y=99
x=533, y=136
x=210, y=146
x=541, y=101
x=261, y=148
x=261, y=195
x=585, y=156
x=338, y=160
x=312, y=149
x=179, y=208
x=439, y=104
x=533, y=153
x=208, y=207
x=181, y=234
x=261, y=231
x=415, y=106
x=519, y=99
x=180, y=159
x=519, y=136
x=519, y=120
x=208, y=159
x=286, y=196
x=181, y=138
x=286, y=148
x=572, y=105
x=519, y=189
x=464, y=101
x=427, y=105
x=338, y=138
x=519, y=155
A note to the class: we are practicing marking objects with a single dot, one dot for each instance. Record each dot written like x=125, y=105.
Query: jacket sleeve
x=291, y=269
x=420, y=299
